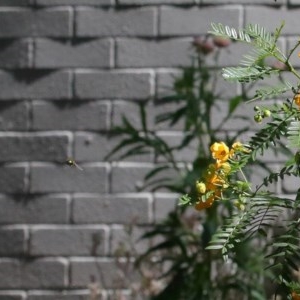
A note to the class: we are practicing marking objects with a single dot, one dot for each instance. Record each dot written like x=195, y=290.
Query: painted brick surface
x=68, y=115
x=29, y=22
x=144, y=53
x=99, y=22
x=194, y=21
x=14, y=54
x=99, y=85
x=74, y=2
x=67, y=179
x=57, y=296
x=289, y=16
x=96, y=147
x=113, y=209
x=41, y=273
x=15, y=2
x=69, y=71
x=12, y=179
x=104, y=271
x=14, y=115
x=67, y=241
x=12, y=295
x=53, y=54
x=33, y=147
x=35, y=209
x=12, y=241
x=36, y=84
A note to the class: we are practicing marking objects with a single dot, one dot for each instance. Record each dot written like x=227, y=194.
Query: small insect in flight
x=71, y=162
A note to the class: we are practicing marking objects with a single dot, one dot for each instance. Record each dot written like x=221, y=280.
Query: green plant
x=191, y=272
x=258, y=210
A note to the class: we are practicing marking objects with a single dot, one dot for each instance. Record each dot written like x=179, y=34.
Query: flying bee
x=72, y=163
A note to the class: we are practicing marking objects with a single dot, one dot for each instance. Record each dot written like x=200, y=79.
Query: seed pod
x=266, y=113
x=258, y=118
x=200, y=187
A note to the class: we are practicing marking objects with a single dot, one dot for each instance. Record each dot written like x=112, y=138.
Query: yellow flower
x=214, y=182
x=224, y=168
x=297, y=99
x=220, y=151
x=295, y=296
x=200, y=187
x=202, y=205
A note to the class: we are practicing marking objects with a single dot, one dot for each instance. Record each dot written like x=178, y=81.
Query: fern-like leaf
x=247, y=74
x=271, y=92
x=263, y=210
x=294, y=134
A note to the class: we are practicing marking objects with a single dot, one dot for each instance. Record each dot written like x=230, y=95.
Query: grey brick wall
x=68, y=70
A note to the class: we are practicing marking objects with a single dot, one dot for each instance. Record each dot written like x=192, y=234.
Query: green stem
x=286, y=61
x=245, y=178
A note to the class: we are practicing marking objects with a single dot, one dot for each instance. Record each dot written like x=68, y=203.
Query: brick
x=67, y=179
x=59, y=54
x=73, y=2
x=34, y=147
x=98, y=22
x=68, y=241
x=164, y=205
x=40, y=295
x=127, y=240
x=174, y=139
x=70, y=115
x=95, y=147
x=106, y=272
x=12, y=179
x=34, y=210
x=242, y=117
x=194, y=21
x=290, y=185
x=145, y=53
x=279, y=2
x=12, y=295
x=25, y=22
x=111, y=209
x=14, y=2
x=40, y=273
x=99, y=85
x=261, y=16
x=130, y=177
x=14, y=116
x=35, y=84
x=12, y=241
x=132, y=113
x=151, y=2
x=91, y=146
x=14, y=54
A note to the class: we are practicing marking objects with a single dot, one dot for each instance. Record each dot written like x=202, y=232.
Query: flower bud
x=203, y=45
x=200, y=187
x=221, y=42
x=258, y=118
x=266, y=113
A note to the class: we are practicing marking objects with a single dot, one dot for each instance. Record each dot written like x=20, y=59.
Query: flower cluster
x=215, y=179
x=295, y=296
